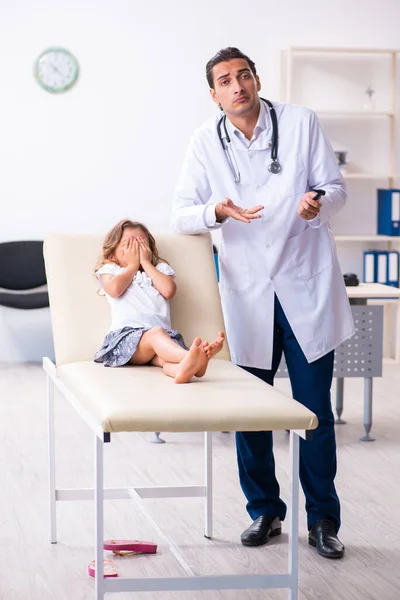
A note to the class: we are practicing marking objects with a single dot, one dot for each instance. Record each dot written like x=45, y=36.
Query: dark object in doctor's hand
x=318, y=194
x=310, y=204
x=351, y=279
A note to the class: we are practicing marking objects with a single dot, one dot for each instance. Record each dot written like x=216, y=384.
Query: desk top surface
x=372, y=290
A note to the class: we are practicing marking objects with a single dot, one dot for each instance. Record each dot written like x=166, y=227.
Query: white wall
x=112, y=147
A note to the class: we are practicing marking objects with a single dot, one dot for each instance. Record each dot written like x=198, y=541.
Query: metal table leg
x=339, y=400
x=367, y=410
x=156, y=438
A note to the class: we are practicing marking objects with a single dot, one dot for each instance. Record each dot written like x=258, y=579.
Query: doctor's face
x=235, y=87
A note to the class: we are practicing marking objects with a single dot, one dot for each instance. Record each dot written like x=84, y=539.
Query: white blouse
x=141, y=305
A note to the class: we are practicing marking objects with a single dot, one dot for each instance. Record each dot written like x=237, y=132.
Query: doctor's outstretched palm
x=227, y=208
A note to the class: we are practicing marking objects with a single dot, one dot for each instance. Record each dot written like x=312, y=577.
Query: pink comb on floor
x=130, y=546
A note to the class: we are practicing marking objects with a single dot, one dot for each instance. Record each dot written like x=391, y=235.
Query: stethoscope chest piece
x=274, y=167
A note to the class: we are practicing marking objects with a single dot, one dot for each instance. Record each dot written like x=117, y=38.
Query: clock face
x=56, y=70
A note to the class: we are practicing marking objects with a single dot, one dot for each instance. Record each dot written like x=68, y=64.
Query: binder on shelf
x=370, y=266
x=389, y=212
x=382, y=266
x=393, y=269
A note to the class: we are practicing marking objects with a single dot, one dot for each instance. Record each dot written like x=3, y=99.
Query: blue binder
x=389, y=212
x=381, y=271
x=382, y=266
x=370, y=268
x=393, y=268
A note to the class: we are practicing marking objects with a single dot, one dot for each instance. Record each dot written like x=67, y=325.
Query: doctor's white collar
x=263, y=124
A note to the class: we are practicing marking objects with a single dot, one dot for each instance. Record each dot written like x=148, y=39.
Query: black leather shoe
x=322, y=536
x=261, y=530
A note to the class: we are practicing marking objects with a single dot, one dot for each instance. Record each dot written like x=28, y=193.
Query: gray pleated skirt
x=119, y=346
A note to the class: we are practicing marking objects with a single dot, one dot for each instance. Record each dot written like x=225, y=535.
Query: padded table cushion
x=137, y=398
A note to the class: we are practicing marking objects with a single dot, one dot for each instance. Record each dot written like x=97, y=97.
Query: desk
x=359, y=356
x=360, y=294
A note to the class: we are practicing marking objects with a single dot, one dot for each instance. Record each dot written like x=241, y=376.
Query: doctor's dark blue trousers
x=311, y=384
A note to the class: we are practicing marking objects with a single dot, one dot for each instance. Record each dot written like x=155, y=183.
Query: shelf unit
x=391, y=112
x=344, y=73
x=333, y=83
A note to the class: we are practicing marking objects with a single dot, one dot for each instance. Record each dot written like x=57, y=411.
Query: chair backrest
x=80, y=317
x=22, y=265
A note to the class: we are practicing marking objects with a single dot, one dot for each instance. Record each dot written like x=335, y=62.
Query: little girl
x=138, y=284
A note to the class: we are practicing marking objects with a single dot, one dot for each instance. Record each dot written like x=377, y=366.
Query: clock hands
x=57, y=70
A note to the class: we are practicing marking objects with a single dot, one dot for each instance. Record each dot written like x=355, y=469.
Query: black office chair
x=22, y=272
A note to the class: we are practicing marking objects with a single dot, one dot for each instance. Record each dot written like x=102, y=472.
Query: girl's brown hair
x=114, y=237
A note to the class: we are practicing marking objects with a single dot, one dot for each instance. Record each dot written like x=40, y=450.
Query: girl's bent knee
x=156, y=330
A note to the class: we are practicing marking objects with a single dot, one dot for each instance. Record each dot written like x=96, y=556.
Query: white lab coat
x=280, y=253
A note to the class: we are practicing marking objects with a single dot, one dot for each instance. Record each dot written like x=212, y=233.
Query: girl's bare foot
x=194, y=362
x=211, y=349
x=216, y=346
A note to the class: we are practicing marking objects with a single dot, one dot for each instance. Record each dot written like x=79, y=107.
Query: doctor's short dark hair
x=223, y=55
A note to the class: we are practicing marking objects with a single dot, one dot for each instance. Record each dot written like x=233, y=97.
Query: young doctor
x=250, y=171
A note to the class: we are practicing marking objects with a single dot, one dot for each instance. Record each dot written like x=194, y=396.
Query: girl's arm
x=163, y=283
x=116, y=285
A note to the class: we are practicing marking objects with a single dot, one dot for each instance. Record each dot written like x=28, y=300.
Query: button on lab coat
x=280, y=253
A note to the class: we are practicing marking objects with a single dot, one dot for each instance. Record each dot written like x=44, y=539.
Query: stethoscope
x=273, y=167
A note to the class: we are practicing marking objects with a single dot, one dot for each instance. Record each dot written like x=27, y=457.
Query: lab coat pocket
x=234, y=269
x=291, y=182
x=310, y=252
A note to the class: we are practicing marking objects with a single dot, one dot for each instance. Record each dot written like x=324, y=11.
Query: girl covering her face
x=138, y=284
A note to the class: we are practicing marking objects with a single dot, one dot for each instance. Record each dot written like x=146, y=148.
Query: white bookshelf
x=333, y=82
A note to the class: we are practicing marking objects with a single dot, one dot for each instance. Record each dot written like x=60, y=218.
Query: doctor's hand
x=308, y=208
x=226, y=209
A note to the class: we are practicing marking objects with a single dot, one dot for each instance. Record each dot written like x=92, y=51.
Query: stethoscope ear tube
x=274, y=147
x=219, y=133
x=229, y=155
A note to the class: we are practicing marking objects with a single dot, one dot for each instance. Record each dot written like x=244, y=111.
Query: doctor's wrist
x=220, y=212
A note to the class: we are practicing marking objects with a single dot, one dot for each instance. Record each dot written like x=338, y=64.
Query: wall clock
x=56, y=70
